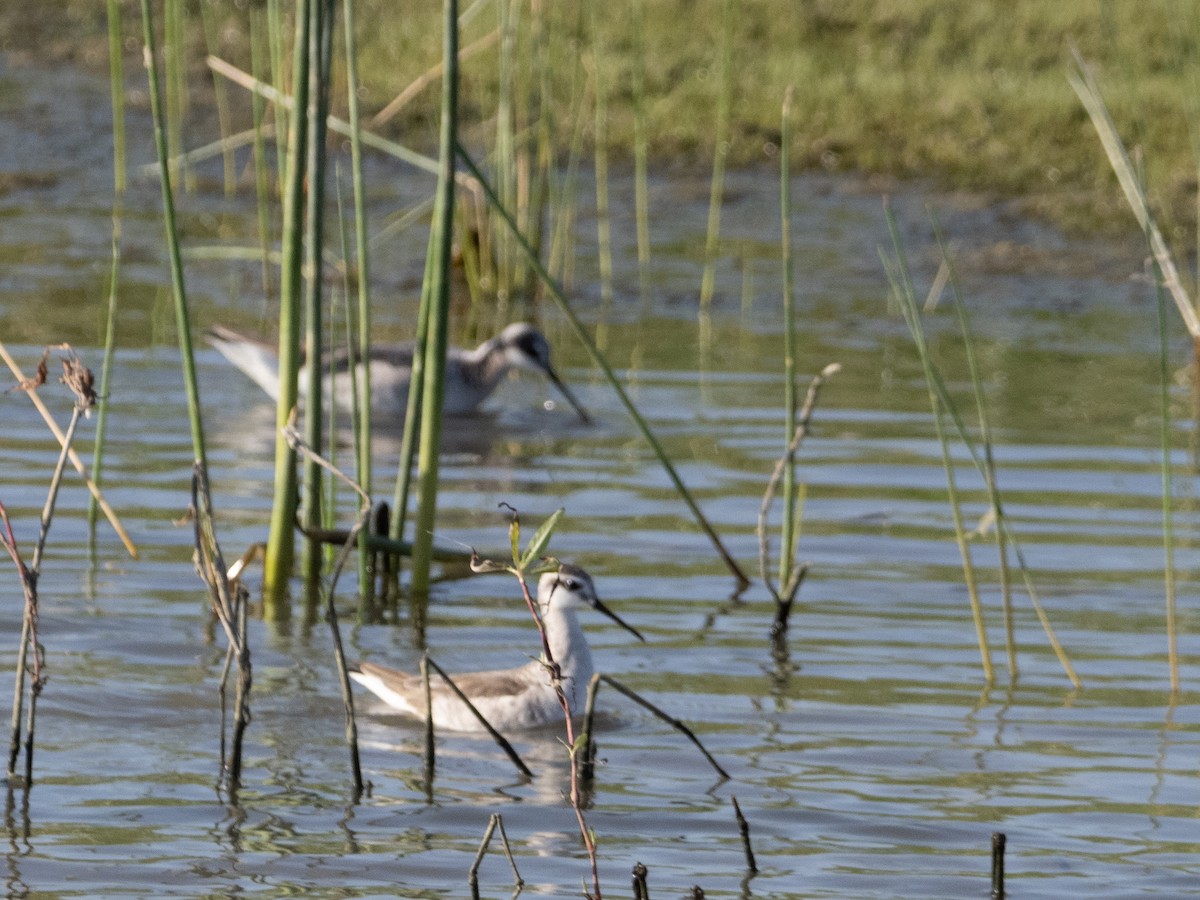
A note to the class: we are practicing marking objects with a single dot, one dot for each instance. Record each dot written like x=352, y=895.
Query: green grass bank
x=972, y=95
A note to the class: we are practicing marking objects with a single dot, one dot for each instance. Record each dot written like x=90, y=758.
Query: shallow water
x=869, y=758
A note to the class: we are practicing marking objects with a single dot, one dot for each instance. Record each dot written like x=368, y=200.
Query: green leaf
x=540, y=539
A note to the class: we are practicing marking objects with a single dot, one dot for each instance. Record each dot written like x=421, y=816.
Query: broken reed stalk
x=785, y=595
x=30, y=390
x=428, y=77
x=587, y=766
x=29, y=638
x=744, y=831
x=641, y=891
x=284, y=102
x=901, y=282
x=998, y=842
x=495, y=820
x=78, y=379
x=902, y=290
x=348, y=545
x=380, y=543
x=496, y=736
x=987, y=465
x=669, y=719
x=430, y=757
x=1088, y=91
x=556, y=293
x=229, y=605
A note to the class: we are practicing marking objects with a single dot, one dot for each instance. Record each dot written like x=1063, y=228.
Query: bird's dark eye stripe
x=531, y=344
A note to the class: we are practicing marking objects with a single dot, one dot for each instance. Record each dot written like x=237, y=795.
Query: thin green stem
x=182, y=320
x=902, y=289
x=362, y=405
x=788, y=529
x=1167, y=493
x=280, y=552
x=320, y=43
x=581, y=333
x=436, y=340
x=721, y=148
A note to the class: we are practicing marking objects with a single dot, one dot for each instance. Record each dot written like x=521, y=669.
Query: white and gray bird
x=523, y=697
x=471, y=375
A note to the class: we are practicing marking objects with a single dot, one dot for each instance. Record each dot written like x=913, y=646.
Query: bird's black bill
x=600, y=607
x=562, y=389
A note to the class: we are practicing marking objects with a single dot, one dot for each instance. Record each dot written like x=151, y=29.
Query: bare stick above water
x=494, y=821
x=496, y=736
x=76, y=462
x=228, y=603
x=669, y=719
x=785, y=595
x=78, y=378
x=744, y=831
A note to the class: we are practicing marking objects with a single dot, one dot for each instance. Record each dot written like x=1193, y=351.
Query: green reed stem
x=506, y=182
x=902, y=290
x=1167, y=493
x=263, y=184
x=220, y=99
x=116, y=75
x=988, y=469
x=1009, y=535
x=280, y=552
x=598, y=358
x=182, y=321
x=117, y=88
x=441, y=237
x=110, y=332
x=176, y=80
x=539, y=156
x=412, y=415
x=279, y=73
x=600, y=157
x=641, y=202
x=362, y=405
x=1088, y=90
x=320, y=63
x=721, y=148
x=788, y=528
x=561, y=254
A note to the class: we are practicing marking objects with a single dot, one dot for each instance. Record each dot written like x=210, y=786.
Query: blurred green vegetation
x=972, y=96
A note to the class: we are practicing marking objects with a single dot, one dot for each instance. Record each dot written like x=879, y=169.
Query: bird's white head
x=525, y=348
x=571, y=588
